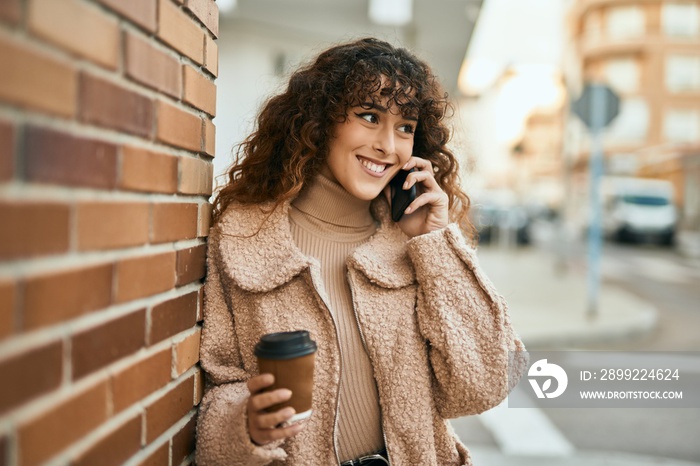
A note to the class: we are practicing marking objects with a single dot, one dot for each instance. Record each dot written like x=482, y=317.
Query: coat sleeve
x=222, y=424
x=476, y=356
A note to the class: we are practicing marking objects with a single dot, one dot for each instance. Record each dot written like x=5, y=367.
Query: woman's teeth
x=373, y=166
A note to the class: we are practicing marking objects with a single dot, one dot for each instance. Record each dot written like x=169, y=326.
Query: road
x=666, y=279
x=671, y=283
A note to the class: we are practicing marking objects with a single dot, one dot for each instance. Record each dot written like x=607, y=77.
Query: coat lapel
x=383, y=259
x=257, y=247
x=259, y=253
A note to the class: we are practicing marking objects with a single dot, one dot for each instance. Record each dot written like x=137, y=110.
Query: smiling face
x=369, y=148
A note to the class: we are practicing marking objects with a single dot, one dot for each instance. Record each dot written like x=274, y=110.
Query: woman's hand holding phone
x=430, y=209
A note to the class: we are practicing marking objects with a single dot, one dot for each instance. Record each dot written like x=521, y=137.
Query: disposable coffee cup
x=289, y=356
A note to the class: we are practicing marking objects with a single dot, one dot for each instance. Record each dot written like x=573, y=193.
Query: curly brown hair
x=294, y=129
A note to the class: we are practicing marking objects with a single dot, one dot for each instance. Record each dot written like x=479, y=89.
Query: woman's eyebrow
x=381, y=108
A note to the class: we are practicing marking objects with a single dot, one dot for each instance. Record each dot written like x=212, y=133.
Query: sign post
x=597, y=107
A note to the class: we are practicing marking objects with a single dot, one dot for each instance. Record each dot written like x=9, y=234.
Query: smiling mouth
x=372, y=166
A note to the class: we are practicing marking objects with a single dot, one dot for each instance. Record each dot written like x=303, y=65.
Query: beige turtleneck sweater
x=328, y=223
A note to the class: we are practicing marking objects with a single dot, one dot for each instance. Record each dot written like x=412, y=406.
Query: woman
x=409, y=330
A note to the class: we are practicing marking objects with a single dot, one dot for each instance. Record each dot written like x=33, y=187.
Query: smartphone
x=401, y=198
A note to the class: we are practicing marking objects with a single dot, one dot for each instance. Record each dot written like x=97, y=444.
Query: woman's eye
x=369, y=117
x=408, y=129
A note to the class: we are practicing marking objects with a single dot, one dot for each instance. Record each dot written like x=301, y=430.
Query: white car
x=639, y=209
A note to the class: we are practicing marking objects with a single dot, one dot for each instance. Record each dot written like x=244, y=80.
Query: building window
x=682, y=73
x=681, y=19
x=631, y=124
x=625, y=22
x=682, y=125
x=623, y=75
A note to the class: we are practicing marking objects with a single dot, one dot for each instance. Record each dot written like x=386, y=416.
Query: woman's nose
x=385, y=141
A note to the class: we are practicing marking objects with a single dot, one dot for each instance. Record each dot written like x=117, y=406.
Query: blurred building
x=513, y=103
x=648, y=51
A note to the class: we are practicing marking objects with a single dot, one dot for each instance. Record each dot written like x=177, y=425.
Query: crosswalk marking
x=656, y=269
x=525, y=431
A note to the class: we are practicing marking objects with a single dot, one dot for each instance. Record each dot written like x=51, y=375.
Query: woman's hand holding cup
x=265, y=427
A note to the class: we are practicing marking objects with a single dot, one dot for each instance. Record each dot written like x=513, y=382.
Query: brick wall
x=106, y=146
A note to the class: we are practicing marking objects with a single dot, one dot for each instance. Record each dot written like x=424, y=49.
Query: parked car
x=495, y=222
x=639, y=209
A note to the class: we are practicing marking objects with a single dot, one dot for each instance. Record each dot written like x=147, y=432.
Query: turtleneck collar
x=327, y=201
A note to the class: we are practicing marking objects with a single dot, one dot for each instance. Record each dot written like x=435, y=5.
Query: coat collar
x=262, y=261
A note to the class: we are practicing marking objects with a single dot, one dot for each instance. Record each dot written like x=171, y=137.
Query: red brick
x=209, y=138
x=191, y=264
x=211, y=55
x=198, y=385
x=51, y=431
x=173, y=222
x=204, y=221
x=172, y=317
x=187, y=353
x=178, y=127
x=105, y=104
x=184, y=441
x=152, y=66
x=207, y=12
x=33, y=80
x=145, y=276
x=199, y=91
x=169, y=409
x=107, y=225
x=200, y=307
x=196, y=176
x=11, y=13
x=8, y=306
x=53, y=157
x=59, y=296
x=97, y=347
x=139, y=380
x=141, y=12
x=180, y=31
x=31, y=229
x=31, y=373
x=160, y=457
x=77, y=27
x=7, y=151
x=114, y=448
x=147, y=171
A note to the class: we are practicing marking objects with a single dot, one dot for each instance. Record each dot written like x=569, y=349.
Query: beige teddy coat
x=437, y=333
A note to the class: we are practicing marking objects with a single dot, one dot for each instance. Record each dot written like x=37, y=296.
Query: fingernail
x=406, y=164
x=405, y=185
x=286, y=393
x=408, y=210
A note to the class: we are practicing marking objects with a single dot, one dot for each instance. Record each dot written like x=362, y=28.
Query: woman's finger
x=272, y=420
x=425, y=177
x=259, y=382
x=265, y=400
x=271, y=435
x=432, y=198
x=419, y=163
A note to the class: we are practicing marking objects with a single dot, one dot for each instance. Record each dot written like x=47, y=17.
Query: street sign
x=597, y=107
x=583, y=106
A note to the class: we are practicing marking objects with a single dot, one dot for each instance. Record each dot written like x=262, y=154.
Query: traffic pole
x=597, y=111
